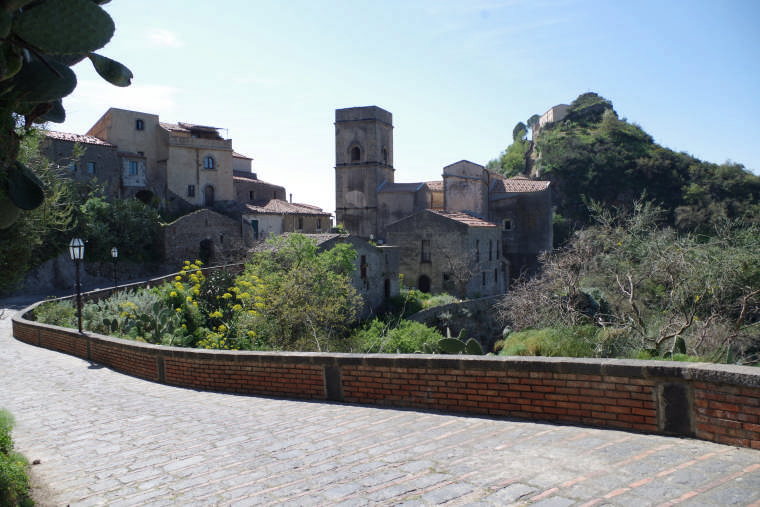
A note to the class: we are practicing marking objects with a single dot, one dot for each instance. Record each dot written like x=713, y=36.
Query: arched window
x=385, y=156
x=355, y=154
x=209, y=163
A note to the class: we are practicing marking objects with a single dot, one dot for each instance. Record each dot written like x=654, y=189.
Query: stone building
x=205, y=235
x=454, y=252
x=250, y=189
x=274, y=217
x=184, y=161
x=121, y=174
x=476, y=207
x=376, y=277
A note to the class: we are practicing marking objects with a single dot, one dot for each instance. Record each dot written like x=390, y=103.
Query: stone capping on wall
x=719, y=403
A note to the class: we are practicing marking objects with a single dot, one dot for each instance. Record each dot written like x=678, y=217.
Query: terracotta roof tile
x=77, y=138
x=518, y=184
x=280, y=207
x=465, y=218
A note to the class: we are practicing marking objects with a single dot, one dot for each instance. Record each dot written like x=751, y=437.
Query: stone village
x=468, y=233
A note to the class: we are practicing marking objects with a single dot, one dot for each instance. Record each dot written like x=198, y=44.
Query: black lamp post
x=76, y=250
x=114, y=256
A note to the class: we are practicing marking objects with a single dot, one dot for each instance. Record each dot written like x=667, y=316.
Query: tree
x=519, y=132
x=305, y=297
x=39, y=41
x=34, y=236
x=650, y=289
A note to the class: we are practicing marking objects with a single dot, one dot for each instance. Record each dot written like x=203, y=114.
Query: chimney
x=291, y=198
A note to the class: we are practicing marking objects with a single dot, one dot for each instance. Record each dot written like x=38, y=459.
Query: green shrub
x=579, y=341
x=407, y=337
x=14, y=481
x=57, y=313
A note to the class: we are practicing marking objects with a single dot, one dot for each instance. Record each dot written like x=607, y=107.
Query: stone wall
x=717, y=403
x=476, y=317
x=182, y=239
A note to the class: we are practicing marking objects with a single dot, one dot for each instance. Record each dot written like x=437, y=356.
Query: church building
x=468, y=234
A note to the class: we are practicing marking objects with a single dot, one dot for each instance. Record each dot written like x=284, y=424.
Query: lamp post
x=114, y=256
x=76, y=250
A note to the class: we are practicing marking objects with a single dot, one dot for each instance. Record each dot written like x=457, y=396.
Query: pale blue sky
x=457, y=75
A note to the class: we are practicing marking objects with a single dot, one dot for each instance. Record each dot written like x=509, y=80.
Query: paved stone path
x=108, y=439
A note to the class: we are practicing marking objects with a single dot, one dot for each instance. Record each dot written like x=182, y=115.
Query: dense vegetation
x=14, y=480
x=629, y=287
x=72, y=209
x=593, y=155
x=291, y=297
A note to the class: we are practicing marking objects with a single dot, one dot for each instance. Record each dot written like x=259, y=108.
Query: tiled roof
x=280, y=207
x=465, y=218
x=518, y=184
x=77, y=138
x=240, y=155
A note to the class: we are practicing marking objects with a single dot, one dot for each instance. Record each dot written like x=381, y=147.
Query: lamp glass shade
x=76, y=249
x=114, y=252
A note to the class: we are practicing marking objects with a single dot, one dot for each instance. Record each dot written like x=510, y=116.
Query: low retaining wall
x=719, y=403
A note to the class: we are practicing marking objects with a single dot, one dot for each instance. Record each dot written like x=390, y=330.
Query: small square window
x=251, y=195
x=139, y=125
x=91, y=167
x=507, y=224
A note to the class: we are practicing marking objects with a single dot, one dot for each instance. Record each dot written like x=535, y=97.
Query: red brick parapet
x=719, y=403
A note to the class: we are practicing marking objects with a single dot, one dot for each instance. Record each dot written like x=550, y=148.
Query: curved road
x=108, y=439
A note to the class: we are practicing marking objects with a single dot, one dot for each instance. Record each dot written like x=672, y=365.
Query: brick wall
x=719, y=403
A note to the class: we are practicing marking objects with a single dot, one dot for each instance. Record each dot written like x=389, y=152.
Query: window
x=385, y=156
x=132, y=168
x=477, y=250
x=507, y=224
x=251, y=195
x=91, y=167
x=483, y=276
x=497, y=251
x=425, y=250
x=73, y=167
x=274, y=195
x=319, y=224
x=495, y=276
x=139, y=125
x=363, y=266
x=490, y=248
x=191, y=190
x=355, y=154
x=208, y=163
x=300, y=223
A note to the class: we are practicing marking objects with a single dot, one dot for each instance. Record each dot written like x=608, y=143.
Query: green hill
x=594, y=155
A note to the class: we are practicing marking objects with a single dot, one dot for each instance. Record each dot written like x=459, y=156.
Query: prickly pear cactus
x=39, y=41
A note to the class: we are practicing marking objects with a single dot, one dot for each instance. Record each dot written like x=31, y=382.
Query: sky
x=457, y=75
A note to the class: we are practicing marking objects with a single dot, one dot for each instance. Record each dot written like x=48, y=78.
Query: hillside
x=593, y=154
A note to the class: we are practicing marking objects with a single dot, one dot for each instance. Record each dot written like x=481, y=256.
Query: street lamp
x=114, y=256
x=76, y=250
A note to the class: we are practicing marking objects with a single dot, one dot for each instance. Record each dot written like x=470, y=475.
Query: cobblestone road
x=108, y=439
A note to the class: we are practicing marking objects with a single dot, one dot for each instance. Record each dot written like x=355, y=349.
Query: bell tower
x=363, y=162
